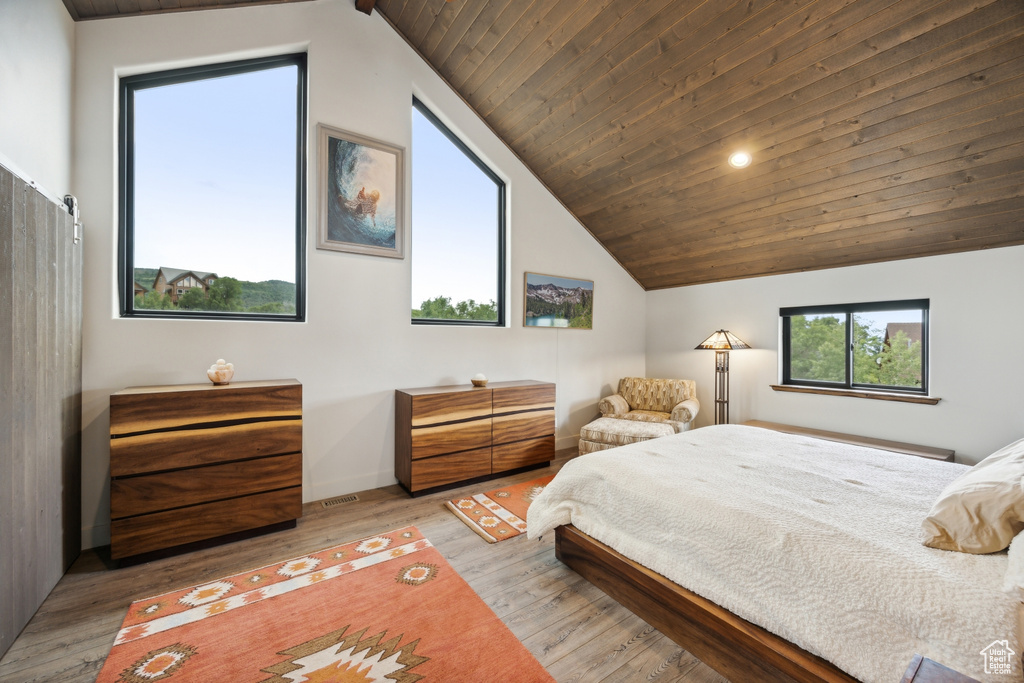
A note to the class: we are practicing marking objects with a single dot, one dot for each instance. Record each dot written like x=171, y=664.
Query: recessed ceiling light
x=739, y=160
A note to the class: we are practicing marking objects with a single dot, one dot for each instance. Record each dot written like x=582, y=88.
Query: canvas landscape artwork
x=553, y=301
x=360, y=194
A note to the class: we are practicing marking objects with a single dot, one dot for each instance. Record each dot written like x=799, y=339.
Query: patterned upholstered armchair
x=642, y=409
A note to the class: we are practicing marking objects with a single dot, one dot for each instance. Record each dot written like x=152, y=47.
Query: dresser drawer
x=445, y=469
x=147, y=409
x=145, y=533
x=432, y=409
x=154, y=492
x=514, y=399
x=522, y=453
x=519, y=426
x=158, y=451
x=448, y=438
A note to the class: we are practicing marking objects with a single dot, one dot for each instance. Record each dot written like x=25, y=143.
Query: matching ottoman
x=609, y=432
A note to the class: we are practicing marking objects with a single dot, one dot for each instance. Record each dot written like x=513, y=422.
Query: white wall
x=37, y=43
x=357, y=345
x=977, y=331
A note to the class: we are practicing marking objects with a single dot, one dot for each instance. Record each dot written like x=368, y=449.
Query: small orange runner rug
x=387, y=608
x=499, y=514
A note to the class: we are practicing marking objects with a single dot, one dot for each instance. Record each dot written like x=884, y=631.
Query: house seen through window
x=212, y=181
x=458, y=229
x=880, y=345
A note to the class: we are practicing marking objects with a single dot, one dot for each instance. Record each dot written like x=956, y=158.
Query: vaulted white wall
x=357, y=345
x=37, y=43
x=977, y=367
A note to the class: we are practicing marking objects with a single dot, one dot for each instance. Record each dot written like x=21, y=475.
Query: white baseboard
x=566, y=442
x=322, y=490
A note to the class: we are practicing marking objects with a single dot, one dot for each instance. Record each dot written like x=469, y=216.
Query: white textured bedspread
x=812, y=540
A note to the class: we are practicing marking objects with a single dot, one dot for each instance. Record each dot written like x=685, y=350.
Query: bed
x=774, y=557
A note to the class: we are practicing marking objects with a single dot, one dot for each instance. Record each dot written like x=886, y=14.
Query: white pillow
x=982, y=509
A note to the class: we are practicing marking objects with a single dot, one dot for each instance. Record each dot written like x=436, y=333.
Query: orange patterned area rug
x=499, y=514
x=386, y=608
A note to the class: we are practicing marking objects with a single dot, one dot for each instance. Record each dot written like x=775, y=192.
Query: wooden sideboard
x=194, y=462
x=445, y=435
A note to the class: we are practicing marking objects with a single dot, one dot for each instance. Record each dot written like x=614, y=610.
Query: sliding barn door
x=40, y=400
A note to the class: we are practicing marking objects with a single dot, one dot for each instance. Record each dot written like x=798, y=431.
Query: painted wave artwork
x=361, y=209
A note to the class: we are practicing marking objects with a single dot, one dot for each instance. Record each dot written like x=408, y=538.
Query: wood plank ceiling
x=879, y=129
x=102, y=9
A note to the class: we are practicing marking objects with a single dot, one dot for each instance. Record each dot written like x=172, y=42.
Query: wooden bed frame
x=732, y=646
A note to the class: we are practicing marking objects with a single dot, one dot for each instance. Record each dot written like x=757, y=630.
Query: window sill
x=854, y=393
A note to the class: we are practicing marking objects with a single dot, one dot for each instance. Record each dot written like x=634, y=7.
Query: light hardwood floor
x=576, y=631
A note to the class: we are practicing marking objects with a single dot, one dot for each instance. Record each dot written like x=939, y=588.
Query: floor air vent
x=340, y=500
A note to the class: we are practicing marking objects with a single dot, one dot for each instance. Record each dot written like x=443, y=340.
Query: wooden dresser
x=445, y=435
x=193, y=462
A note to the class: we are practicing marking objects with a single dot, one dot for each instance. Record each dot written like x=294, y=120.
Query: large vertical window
x=875, y=346
x=458, y=229
x=212, y=181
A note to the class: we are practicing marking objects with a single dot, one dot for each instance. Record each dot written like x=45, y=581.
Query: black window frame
x=849, y=310
x=501, y=261
x=126, y=181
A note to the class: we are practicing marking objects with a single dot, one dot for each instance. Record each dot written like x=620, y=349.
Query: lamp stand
x=721, y=387
x=721, y=342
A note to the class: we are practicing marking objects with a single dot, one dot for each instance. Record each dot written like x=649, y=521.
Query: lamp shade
x=723, y=340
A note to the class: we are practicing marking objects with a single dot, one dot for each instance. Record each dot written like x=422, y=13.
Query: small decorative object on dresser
x=220, y=373
x=194, y=462
x=445, y=435
x=478, y=380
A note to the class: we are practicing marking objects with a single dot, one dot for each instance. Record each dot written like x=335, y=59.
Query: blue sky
x=228, y=146
x=454, y=221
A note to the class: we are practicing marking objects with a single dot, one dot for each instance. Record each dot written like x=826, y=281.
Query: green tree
x=438, y=308
x=583, y=320
x=272, y=307
x=817, y=348
x=153, y=301
x=900, y=362
x=225, y=294
x=193, y=300
x=441, y=308
x=866, y=348
x=269, y=291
